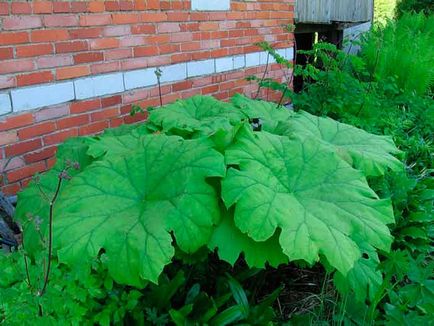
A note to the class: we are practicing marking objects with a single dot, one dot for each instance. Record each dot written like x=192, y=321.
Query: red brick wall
x=44, y=42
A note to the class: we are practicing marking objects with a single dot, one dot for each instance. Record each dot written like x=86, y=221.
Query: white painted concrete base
x=38, y=96
x=210, y=5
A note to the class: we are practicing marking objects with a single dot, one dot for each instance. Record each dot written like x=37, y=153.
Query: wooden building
x=329, y=20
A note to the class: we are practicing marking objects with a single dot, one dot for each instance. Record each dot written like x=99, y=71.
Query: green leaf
x=269, y=113
x=239, y=295
x=231, y=242
x=128, y=205
x=34, y=200
x=364, y=278
x=319, y=202
x=228, y=316
x=369, y=153
x=113, y=144
x=202, y=114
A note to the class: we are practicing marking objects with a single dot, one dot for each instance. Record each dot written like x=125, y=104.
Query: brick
x=104, y=114
x=4, y=9
x=143, y=29
x=11, y=164
x=21, y=8
x=33, y=50
x=39, y=96
x=23, y=147
x=79, y=7
x=239, y=62
x=59, y=137
x=60, y=20
x=95, y=20
x=42, y=7
x=7, y=81
x=115, y=54
x=140, y=78
x=35, y=78
x=126, y=18
x=16, y=121
x=93, y=128
x=14, y=38
x=99, y=86
x=11, y=189
x=168, y=28
x=224, y=64
x=182, y=86
x=54, y=61
x=199, y=68
x=44, y=154
x=110, y=101
x=85, y=106
x=73, y=121
x=252, y=59
x=21, y=22
x=100, y=68
x=289, y=54
x=119, y=30
x=153, y=17
x=49, y=35
x=51, y=113
x=96, y=6
x=145, y=51
x=88, y=57
x=8, y=137
x=72, y=72
x=104, y=43
x=85, y=33
x=5, y=103
x=36, y=130
x=26, y=171
x=175, y=72
x=61, y=7
x=73, y=46
x=12, y=66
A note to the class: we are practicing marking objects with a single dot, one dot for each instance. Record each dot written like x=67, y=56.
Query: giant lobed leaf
x=231, y=243
x=320, y=203
x=112, y=143
x=367, y=152
x=202, y=114
x=127, y=206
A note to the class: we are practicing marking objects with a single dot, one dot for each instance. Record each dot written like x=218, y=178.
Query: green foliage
x=145, y=202
x=404, y=6
x=402, y=50
x=352, y=90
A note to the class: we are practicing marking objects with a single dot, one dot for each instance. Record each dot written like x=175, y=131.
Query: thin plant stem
x=159, y=92
x=50, y=236
x=263, y=77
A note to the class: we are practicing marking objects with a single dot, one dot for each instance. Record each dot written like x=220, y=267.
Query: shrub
x=247, y=178
x=340, y=86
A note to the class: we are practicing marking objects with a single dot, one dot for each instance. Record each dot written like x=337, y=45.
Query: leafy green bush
x=340, y=86
x=404, y=6
x=403, y=50
x=247, y=178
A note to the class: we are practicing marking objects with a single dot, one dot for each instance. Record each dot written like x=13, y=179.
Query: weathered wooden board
x=327, y=11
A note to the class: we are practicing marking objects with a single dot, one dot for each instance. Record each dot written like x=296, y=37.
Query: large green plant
x=296, y=190
x=340, y=86
x=245, y=179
